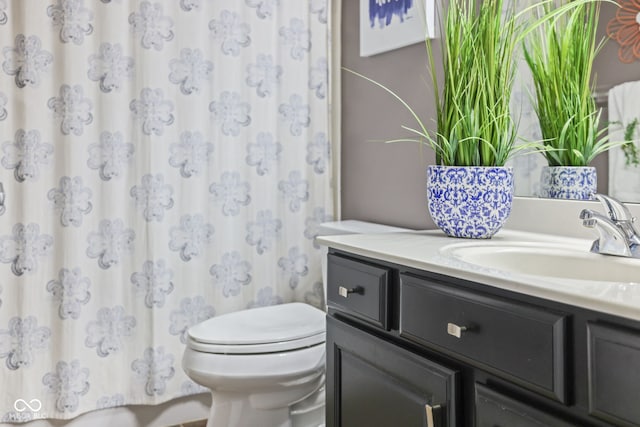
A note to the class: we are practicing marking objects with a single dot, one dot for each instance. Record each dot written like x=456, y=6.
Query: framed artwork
x=389, y=24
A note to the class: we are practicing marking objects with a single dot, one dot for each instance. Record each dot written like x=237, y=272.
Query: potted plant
x=470, y=190
x=560, y=54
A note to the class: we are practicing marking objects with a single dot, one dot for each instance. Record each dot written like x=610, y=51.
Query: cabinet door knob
x=434, y=415
x=344, y=292
x=455, y=330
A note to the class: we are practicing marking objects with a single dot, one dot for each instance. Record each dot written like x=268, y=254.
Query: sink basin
x=545, y=259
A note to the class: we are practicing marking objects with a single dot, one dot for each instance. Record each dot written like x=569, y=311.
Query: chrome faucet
x=618, y=232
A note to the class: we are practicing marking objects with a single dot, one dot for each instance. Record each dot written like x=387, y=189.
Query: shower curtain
x=164, y=161
x=526, y=167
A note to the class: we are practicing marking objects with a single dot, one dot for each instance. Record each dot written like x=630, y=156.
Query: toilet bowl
x=258, y=363
x=265, y=366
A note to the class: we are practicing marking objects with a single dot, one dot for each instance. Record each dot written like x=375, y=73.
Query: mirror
x=609, y=71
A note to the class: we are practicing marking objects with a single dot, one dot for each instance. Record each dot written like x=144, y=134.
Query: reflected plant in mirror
x=560, y=54
x=629, y=147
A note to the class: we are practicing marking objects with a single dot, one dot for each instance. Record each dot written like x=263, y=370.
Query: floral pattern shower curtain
x=527, y=167
x=164, y=161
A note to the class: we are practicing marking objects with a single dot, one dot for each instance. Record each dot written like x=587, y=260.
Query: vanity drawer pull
x=344, y=292
x=455, y=330
x=433, y=415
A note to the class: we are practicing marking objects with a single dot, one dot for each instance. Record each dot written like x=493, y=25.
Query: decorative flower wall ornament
x=625, y=29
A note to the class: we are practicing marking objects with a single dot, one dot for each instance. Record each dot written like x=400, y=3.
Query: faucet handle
x=612, y=239
x=615, y=209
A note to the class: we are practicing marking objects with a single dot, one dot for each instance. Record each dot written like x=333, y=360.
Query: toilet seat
x=278, y=328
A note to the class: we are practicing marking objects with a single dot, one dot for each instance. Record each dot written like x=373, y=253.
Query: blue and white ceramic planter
x=469, y=201
x=568, y=182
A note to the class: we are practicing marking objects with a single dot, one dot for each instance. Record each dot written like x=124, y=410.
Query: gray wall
x=386, y=182
x=383, y=182
x=608, y=69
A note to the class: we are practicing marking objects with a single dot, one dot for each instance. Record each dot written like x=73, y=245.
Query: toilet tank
x=349, y=226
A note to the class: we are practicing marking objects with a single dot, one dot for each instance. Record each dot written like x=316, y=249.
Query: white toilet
x=265, y=366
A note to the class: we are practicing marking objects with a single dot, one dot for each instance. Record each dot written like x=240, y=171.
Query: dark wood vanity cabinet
x=407, y=347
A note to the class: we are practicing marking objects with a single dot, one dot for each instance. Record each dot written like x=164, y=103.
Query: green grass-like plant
x=560, y=55
x=474, y=123
x=474, y=126
x=473, y=116
x=629, y=146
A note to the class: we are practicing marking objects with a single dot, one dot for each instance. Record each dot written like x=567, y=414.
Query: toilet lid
x=260, y=330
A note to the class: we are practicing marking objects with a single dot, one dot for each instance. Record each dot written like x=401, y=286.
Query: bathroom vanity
x=418, y=336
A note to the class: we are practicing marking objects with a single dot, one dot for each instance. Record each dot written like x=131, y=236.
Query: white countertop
x=427, y=250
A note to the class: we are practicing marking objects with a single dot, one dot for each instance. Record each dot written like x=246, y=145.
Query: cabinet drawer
x=494, y=409
x=614, y=374
x=521, y=342
x=359, y=289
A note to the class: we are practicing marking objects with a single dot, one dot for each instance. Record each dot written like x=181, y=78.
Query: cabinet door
x=614, y=374
x=371, y=382
x=497, y=410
